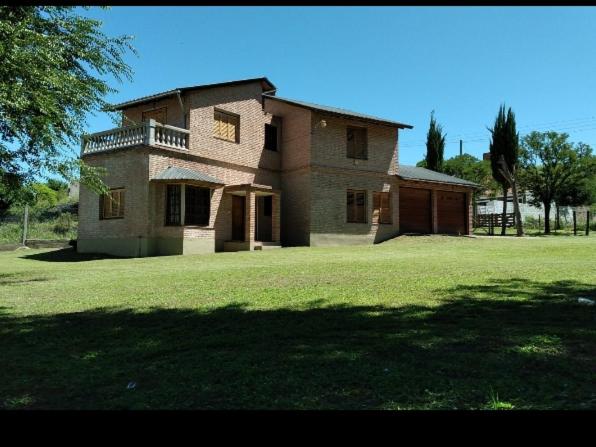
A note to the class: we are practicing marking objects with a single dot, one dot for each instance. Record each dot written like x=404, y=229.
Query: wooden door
x=451, y=212
x=415, y=214
x=238, y=211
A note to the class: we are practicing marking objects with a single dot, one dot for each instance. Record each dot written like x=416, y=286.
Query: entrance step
x=266, y=245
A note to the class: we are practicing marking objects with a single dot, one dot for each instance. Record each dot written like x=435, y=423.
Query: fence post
x=587, y=223
x=25, y=223
x=574, y=224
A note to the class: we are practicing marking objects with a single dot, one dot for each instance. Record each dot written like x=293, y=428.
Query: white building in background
x=492, y=205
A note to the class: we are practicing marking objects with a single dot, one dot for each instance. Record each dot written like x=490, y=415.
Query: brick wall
x=127, y=169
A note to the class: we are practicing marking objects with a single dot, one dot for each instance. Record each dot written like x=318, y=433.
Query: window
x=357, y=143
x=159, y=115
x=271, y=137
x=111, y=205
x=197, y=205
x=173, y=208
x=382, y=207
x=356, y=206
x=226, y=126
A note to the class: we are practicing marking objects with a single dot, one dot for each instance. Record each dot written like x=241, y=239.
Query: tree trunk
x=546, y=218
x=557, y=217
x=504, y=214
x=518, y=221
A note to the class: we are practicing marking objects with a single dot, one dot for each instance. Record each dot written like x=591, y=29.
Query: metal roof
x=339, y=112
x=175, y=173
x=415, y=173
x=266, y=84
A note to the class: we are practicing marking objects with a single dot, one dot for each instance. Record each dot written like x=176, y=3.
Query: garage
x=415, y=210
x=451, y=212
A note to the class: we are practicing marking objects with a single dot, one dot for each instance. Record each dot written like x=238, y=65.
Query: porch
x=255, y=217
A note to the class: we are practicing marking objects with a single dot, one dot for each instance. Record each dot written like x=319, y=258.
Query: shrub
x=63, y=224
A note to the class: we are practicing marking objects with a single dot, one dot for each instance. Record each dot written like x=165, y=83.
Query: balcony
x=150, y=133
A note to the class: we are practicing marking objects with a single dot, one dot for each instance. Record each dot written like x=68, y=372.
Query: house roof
x=339, y=112
x=176, y=173
x=415, y=173
x=266, y=85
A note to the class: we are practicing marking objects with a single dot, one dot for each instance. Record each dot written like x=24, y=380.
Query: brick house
x=232, y=166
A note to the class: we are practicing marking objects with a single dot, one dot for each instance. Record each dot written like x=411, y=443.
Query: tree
x=504, y=155
x=553, y=167
x=577, y=191
x=435, y=145
x=54, y=62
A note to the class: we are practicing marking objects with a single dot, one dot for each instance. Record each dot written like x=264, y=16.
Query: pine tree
x=435, y=145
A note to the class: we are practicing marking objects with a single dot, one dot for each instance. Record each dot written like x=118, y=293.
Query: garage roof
x=426, y=175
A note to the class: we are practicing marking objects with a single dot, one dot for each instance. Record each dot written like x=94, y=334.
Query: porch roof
x=241, y=189
x=176, y=173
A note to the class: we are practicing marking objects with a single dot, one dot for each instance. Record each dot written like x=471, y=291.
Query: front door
x=238, y=204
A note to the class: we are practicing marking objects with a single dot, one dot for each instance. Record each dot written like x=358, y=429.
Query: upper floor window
x=357, y=143
x=111, y=205
x=226, y=126
x=160, y=115
x=356, y=206
x=382, y=207
x=271, y=137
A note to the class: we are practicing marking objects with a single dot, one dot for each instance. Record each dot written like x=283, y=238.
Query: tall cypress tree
x=504, y=155
x=435, y=145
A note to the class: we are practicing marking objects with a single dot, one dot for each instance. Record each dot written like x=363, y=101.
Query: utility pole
x=461, y=148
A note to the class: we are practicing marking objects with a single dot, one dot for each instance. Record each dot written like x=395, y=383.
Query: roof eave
x=342, y=115
x=266, y=85
x=143, y=100
x=466, y=185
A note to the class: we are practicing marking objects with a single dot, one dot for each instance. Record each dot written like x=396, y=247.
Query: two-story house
x=232, y=166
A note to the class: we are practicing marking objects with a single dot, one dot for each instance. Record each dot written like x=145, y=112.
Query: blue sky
x=397, y=63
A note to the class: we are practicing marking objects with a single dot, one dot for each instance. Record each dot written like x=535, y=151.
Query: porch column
x=470, y=213
x=433, y=205
x=250, y=219
x=275, y=217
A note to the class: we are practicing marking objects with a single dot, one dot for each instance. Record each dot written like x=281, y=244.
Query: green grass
x=414, y=323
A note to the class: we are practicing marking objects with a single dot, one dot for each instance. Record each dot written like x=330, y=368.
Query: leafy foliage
x=435, y=145
x=555, y=168
x=470, y=168
x=54, y=65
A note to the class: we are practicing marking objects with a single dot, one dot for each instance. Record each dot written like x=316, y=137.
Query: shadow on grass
x=68, y=254
x=529, y=343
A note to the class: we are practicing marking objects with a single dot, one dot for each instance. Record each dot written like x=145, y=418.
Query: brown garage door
x=451, y=212
x=414, y=210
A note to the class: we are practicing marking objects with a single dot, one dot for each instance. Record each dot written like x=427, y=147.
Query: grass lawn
x=425, y=322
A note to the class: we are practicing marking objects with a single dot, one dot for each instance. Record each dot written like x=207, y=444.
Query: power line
x=477, y=137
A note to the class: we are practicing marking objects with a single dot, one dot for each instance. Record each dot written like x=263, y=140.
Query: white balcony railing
x=150, y=133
